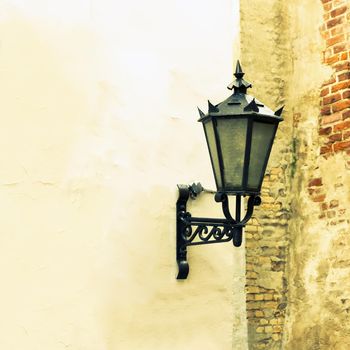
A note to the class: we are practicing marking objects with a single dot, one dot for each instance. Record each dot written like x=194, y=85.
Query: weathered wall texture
x=297, y=249
x=264, y=45
x=319, y=266
x=98, y=125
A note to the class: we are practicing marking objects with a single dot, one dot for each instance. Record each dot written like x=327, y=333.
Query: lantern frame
x=244, y=189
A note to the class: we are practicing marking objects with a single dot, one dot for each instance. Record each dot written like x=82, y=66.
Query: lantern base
x=192, y=231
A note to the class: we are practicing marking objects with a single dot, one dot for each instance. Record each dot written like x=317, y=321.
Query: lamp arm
x=223, y=198
x=192, y=231
x=252, y=202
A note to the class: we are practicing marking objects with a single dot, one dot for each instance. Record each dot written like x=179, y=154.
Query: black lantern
x=240, y=132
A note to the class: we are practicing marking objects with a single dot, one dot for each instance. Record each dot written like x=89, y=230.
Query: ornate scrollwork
x=204, y=233
x=198, y=231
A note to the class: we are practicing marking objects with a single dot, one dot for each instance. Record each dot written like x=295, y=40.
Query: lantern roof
x=239, y=103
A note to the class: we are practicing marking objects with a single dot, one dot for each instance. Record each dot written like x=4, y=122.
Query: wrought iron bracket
x=192, y=231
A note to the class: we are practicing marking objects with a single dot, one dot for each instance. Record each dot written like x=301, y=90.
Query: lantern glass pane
x=210, y=135
x=262, y=138
x=232, y=134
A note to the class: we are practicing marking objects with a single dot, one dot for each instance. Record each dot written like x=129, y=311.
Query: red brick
x=340, y=105
x=319, y=198
x=326, y=149
x=335, y=138
x=339, y=11
x=339, y=48
x=329, y=81
x=346, y=94
x=326, y=110
x=324, y=92
x=315, y=182
x=331, y=118
x=342, y=66
x=341, y=146
x=340, y=86
x=325, y=131
x=344, y=76
x=346, y=115
x=331, y=99
x=337, y=30
x=333, y=22
x=335, y=40
x=342, y=126
x=332, y=59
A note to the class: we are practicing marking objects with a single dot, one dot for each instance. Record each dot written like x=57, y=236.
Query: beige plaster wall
x=98, y=125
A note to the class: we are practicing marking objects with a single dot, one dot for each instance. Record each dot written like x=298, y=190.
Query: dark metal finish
x=248, y=144
x=279, y=111
x=251, y=107
x=212, y=108
x=239, y=106
x=241, y=123
x=181, y=251
x=267, y=156
x=239, y=85
x=218, y=148
x=192, y=231
x=237, y=236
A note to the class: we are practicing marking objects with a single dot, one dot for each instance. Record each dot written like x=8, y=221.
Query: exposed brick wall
x=268, y=240
x=267, y=250
x=334, y=119
x=335, y=93
x=264, y=44
x=318, y=262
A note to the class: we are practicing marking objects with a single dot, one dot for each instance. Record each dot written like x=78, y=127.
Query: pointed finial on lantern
x=239, y=72
x=239, y=84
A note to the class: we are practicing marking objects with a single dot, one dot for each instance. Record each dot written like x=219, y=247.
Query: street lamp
x=239, y=132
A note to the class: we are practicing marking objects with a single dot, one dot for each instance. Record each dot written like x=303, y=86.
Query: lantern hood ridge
x=239, y=103
x=212, y=108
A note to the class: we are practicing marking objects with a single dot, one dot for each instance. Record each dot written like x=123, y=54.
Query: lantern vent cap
x=239, y=84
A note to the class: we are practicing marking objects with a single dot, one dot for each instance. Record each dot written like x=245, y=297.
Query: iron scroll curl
x=191, y=231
